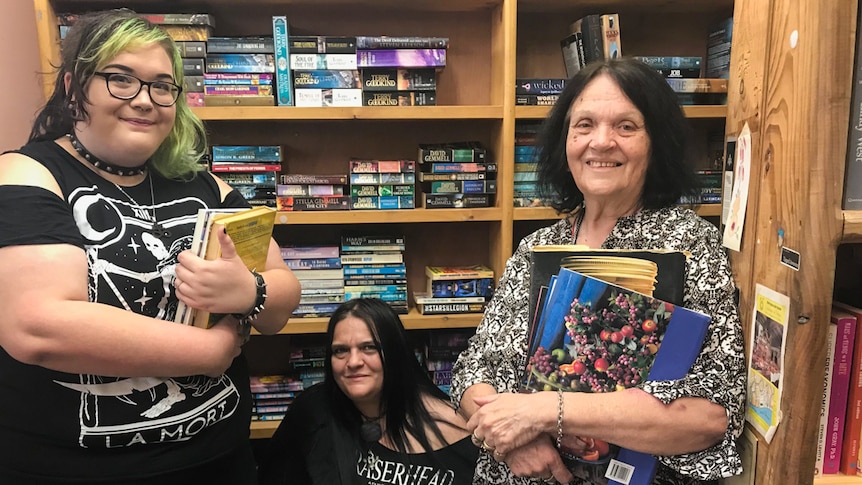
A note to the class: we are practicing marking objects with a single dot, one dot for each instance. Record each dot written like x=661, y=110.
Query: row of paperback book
x=272, y=395
x=840, y=429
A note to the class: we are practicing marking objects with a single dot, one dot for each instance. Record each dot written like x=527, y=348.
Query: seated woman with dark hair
x=376, y=418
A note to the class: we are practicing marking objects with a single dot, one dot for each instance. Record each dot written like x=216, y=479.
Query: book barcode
x=620, y=472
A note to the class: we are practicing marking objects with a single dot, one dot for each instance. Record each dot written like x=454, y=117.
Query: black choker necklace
x=103, y=165
x=370, y=430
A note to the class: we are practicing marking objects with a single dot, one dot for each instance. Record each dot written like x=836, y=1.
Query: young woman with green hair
x=97, y=384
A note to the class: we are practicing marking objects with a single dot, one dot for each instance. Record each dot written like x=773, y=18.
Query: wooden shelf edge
x=852, y=228
x=412, y=321
x=400, y=113
x=694, y=111
x=263, y=429
x=837, y=480
x=493, y=214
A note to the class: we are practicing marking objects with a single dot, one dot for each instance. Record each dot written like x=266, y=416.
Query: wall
x=20, y=80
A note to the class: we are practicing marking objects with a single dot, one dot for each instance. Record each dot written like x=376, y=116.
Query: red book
x=245, y=167
x=853, y=423
x=843, y=359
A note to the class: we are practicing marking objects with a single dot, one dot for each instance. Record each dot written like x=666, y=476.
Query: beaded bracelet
x=560, y=419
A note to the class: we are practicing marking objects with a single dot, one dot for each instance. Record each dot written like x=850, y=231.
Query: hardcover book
x=240, y=45
x=853, y=424
x=281, y=54
x=595, y=336
x=401, y=42
x=842, y=357
x=401, y=58
x=852, y=199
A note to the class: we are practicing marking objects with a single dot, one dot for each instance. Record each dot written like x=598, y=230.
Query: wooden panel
x=292, y=113
x=603, y=6
x=778, y=87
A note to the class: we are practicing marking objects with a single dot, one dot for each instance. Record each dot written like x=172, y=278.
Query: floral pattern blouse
x=497, y=353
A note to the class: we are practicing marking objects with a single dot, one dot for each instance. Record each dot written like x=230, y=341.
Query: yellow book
x=250, y=230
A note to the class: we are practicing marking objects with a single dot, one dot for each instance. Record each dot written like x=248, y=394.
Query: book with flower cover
x=593, y=336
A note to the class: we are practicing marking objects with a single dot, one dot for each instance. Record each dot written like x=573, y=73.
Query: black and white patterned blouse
x=497, y=352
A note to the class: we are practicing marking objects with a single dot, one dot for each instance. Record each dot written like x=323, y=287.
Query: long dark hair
x=405, y=383
x=669, y=173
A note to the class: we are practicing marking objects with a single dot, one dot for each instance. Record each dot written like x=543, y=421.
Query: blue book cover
x=589, y=335
x=283, y=81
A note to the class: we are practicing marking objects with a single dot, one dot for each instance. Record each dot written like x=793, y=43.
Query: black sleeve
x=282, y=462
x=32, y=215
x=235, y=199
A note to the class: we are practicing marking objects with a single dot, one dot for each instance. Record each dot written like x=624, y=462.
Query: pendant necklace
x=157, y=229
x=103, y=165
x=370, y=430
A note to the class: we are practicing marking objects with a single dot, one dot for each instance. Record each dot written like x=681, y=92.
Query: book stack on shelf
x=456, y=175
x=382, y=184
x=321, y=277
x=228, y=84
x=710, y=188
x=441, y=352
x=526, y=193
x=591, y=38
x=374, y=268
x=193, y=52
x=272, y=395
x=250, y=169
x=538, y=91
x=400, y=71
x=455, y=289
x=323, y=70
x=299, y=192
x=835, y=421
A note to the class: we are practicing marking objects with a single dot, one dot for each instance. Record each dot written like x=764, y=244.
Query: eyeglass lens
x=124, y=86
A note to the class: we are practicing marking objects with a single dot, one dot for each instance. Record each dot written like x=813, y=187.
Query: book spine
x=313, y=97
x=437, y=177
x=372, y=280
x=393, y=296
x=444, y=308
x=322, y=44
x=246, y=153
x=382, y=178
x=853, y=424
x=315, y=62
x=239, y=89
x=248, y=63
x=218, y=167
x=281, y=53
x=401, y=58
x=193, y=84
x=310, y=189
x=330, y=79
x=404, y=42
x=462, y=187
x=382, y=166
x=387, y=257
x=591, y=28
x=702, y=85
x=539, y=85
x=383, y=202
x=852, y=199
x=193, y=66
x=399, y=79
x=375, y=271
x=313, y=263
x=380, y=190
x=180, y=19
x=571, y=59
x=305, y=252
x=351, y=240
x=718, y=50
x=292, y=178
x=228, y=100
x=431, y=154
x=671, y=62
x=240, y=45
x=320, y=202
x=536, y=99
x=237, y=78
x=191, y=48
x=831, y=336
x=843, y=359
x=457, y=201
x=399, y=98
x=458, y=167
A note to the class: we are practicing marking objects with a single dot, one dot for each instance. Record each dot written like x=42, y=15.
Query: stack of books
x=272, y=396
x=591, y=38
x=455, y=289
x=300, y=192
x=538, y=91
x=250, y=169
x=320, y=274
x=239, y=71
x=324, y=71
x=456, y=175
x=400, y=71
x=441, y=352
x=374, y=268
x=382, y=184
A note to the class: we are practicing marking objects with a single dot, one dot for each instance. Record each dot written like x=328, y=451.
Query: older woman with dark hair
x=614, y=157
x=377, y=417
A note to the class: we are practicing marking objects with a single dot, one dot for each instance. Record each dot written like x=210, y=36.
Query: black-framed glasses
x=125, y=86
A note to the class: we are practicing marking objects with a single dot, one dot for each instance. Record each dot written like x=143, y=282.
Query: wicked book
x=593, y=336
